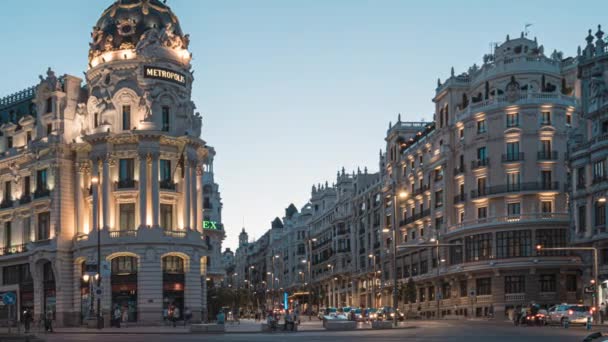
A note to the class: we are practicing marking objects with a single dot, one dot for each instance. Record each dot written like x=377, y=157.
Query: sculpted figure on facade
x=169, y=38
x=150, y=38
x=146, y=103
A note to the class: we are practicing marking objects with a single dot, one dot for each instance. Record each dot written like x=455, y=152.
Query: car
x=358, y=315
x=371, y=314
x=387, y=313
x=573, y=313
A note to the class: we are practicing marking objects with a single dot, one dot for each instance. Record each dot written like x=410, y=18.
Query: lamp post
x=595, y=267
x=309, y=262
x=373, y=303
x=95, y=182
x=331, y=283
x=396, y=196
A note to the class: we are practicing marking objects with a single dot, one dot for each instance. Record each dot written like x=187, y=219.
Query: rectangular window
x=26, y=186
x=126, y=118
x=571, y=283
x=456, y=252
x=481, y=186
x=600, y=213
x=481, y=153
x=515, y=284
x=483, y=286
x=514, y=209
x=513, y=181
x=165, y=170
x=478, y=247
x=547, y=282
x=8, y=234
x=438, y=198
x=41, y=180
x=546, y=118
x=126, y=170
x=582, y=222
x=49, y=129
x=8, y=191
x=598, y=171
x=568, y=119
x=49, y=105
x=552, y=238
x=545, y=179
x=461, y=133
x=44, y=226
x=481, y=126
x=580, y=177
x=546, y=207
x=9, y=142
x=424, y=267
x=512, y=151
x=482, y=212
x=512, y=120
x=165, y=119
x=166, y=216
x=127, y=216
x=513, y=244
x=27, y=237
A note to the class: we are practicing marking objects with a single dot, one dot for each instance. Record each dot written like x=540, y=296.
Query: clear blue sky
x=291, y=91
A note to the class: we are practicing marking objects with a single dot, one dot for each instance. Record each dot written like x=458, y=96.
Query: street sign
x=590, y=289
x=9, y=298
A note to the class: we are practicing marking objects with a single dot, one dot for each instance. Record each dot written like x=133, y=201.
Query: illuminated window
x=481, y=126
x=127, y=216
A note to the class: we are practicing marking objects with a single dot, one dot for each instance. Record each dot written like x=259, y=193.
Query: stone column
x=95, y=173
x=143, y=187
x=79, y=199
x=106, y=194
x=193, y=172
x=192, y=290
x=155, y=191
x=187, y=194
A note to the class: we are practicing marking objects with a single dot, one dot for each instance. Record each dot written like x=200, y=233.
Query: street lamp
x=331, y=284
x=396, y=195
x=95, y=182
x=595, y=279
x=309, y=262
x=373, y=303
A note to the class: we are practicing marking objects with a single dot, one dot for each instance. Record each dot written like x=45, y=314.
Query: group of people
x=28, y=319
x=172, y=314
x=290, y=319
x=120, y=315
x=521, y=311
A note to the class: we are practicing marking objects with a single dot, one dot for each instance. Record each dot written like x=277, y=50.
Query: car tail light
x=570, y=312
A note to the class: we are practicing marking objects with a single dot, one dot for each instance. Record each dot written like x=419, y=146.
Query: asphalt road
x=427, y=331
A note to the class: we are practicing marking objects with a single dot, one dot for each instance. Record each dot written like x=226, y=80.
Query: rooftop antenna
x=526, y=31
x=493, y=46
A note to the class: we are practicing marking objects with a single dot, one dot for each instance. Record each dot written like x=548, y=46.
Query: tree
x=410, y=291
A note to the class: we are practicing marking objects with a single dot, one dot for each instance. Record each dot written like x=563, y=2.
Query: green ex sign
x=211, y=225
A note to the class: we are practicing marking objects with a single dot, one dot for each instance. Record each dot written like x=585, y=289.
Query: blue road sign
x=9, y=298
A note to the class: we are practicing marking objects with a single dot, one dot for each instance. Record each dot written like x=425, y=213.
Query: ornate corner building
x=117, y=157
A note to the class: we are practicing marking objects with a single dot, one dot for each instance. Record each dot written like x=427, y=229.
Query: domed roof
x=124, y=24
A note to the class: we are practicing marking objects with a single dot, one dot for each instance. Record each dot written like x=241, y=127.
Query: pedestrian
x=289, y=321
x=175, y=316
x=117, y=316
x=602, y=312
x=165, y=314
x=48, y=321
x=221, y=317
x=27, y=319
x=187, y=315
x=125, y=315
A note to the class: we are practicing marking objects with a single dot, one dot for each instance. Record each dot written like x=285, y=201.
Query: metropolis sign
x=164, y=75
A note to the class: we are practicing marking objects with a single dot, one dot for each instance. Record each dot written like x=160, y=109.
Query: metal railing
x=169, y=185
x=420, y=190
x=512, y=157
x=416, y=217
x=475, y=164
x=42, y=192
x=507, y=188
x=7, y=250
x=547, y=155
x=126, y=184
x=460, y=198
x=459, y=170
x=511, y=219
x=175, y=233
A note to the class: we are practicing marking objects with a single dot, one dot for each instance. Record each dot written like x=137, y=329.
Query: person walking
x=27, y=320
x=175, y=316
x=116, y=317
x=48, y=321
x=602, y=312
x=125, y=315
x=187, y=315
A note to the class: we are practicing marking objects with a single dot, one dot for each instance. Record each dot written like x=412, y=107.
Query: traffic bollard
x=588, y=323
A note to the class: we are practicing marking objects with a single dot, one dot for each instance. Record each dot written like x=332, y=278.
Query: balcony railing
x=25, y=199
x=167, y=185
x=126, y=184
x=507, y=188
x=122, y=233
x=460, y=198
x=175, y=233
x=521, y=218
x=598, y=179
x=459, y=170
x=515, y=297
x=343, y=231
x=476, y=164
x=7, y=203
x=416, y=217
x=420, y=190
x=547, y=155
x=7, y=250
x=512, y=157
x=42, y=192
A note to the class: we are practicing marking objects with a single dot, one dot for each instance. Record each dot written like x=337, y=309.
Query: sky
x=293, y=90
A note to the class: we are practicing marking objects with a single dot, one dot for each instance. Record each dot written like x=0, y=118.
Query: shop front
x=173, y=286
x=124, y=287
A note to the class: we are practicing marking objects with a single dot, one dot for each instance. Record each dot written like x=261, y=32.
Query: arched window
x=173, y=264
x=123, y=265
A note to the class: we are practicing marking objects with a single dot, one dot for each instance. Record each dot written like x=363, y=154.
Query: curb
x=211, y=333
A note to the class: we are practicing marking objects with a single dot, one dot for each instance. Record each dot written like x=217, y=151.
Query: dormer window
x=126, y=118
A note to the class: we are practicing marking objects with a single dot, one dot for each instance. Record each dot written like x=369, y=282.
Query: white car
x=573, y=313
